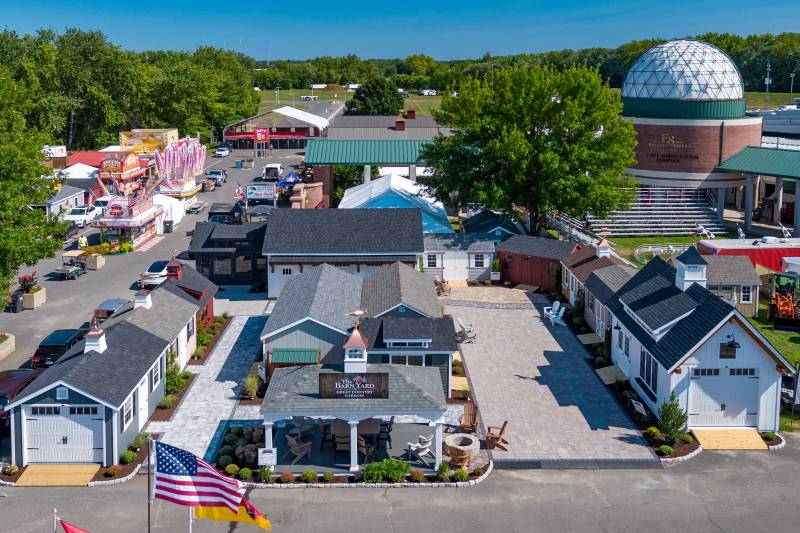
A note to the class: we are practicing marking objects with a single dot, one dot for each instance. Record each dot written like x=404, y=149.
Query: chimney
x=411, y=113
x=95, y=339
x=603, y=248
x=690, y=268
x=400, y=123
x=142, y=299
x=174, y=269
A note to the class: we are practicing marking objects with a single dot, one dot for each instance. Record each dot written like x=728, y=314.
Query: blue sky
x=444, y=29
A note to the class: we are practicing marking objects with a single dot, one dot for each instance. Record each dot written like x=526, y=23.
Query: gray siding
x=480, y=273
x=409, y=312
x=108, y=421
x=314, y=336
x=435, y=273
x=125, y=437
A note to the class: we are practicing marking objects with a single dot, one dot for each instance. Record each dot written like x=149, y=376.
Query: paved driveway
x=559, y=412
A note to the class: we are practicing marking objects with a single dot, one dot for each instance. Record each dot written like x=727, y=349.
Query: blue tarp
x=288, y=181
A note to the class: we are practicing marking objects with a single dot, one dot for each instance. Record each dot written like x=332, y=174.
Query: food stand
x=129, y=219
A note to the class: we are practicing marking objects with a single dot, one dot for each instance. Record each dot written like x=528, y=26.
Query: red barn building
x=532, y=260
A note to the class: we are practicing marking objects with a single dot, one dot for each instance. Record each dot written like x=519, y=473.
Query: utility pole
x=791, y=87
x=767, y=82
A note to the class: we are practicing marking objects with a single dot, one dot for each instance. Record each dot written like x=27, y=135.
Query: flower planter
x=7, y=346
x=32, y=300
x=95, y=262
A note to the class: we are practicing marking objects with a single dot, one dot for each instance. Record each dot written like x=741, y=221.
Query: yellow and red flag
x=246, y=514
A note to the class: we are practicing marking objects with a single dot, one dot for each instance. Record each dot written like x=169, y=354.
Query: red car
x=11, y=384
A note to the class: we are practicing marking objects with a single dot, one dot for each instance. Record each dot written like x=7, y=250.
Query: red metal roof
x=92, y=158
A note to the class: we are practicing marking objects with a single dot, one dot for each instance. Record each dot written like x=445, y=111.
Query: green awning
x=294, y=355
x=764, y=161
x=382, y=152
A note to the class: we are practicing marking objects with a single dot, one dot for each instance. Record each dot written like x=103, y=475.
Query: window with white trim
x=155, y=375
x=479, y=261
x=126, y=413
x=83, y=410
x=627, y=346
x=648, y=370
x=50, y=410
x=430, y=260
x=746, y=296
x=743, y=371
x=619, y=338
x=700, y=372
x=190, y=329
x=62, y=393
x=287, y=272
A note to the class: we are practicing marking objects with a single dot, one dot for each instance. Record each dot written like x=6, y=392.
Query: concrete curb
x=777, y=447
x=675, y=460
x=117, y=481
x=362, y=485
x=7, y=483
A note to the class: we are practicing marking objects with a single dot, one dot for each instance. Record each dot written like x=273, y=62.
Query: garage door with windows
x=64, y=433
x=723, y=397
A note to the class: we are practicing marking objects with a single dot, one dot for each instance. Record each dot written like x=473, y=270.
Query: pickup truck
x=81, y=216
x=218, y=175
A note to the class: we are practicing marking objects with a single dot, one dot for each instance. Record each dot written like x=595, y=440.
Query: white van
x=272, y=171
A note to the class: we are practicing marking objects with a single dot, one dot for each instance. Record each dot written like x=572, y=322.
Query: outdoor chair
x=301, y=428
x=420, y=451
x=297, y=448
x=468, y=422
x=386, y=432
x=341, y=444
x=459, y=458
x=556, y=314
x=550, y=312
x=495, y=437
x=365, y=449
x=325, y=432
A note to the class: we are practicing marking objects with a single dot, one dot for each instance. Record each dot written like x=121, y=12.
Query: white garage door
x=456, y=267
x=723, y=397
x=64, y=434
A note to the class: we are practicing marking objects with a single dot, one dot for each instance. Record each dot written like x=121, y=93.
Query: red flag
x=69, y=528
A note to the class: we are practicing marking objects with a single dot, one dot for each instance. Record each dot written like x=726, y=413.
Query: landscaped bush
x=769, y=435
x=251, y=384
x=113, y=471
x=372, y=473
x=258, y=435
x=478, y=471
x=444, y=472
x=685, y=438
x=127, y=457
x=231, y=438
x=125, y=247
x=224, y=461
x=167, y=401
x=186, y=374
x=226, y=450
x=245, y=473
x=387, y=470
x=417, y=475
x=236, y=430
x=232, y=470
x=671, y=418
x=460, y=475
x=308, y=476
x=10, y=470
x=665, y=450
x=139, y=441
x=287, y=477
x=327, y=476
x=247, y=454
x=173, y=380
x=653, y=432
x=265, y=474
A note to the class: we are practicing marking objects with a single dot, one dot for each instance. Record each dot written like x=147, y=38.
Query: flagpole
x=55, y=520
x=149, y=485
x=191, y=511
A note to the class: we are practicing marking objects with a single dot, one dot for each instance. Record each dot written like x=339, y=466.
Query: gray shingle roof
x=465, y=242
x=537, y=247
x=486, y=221
x=344, y=232
x=730, y=270
x=604, y=282
x=380, y=121
x=441, y=331
x=168, y=315
x=193, y=281
x=397, y=283
x=66, y=191
x=411, y=389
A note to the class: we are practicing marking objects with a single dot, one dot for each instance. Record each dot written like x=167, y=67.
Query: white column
x=778, y=203
x=367, y=173
x=438, y=442
x=267, y=434
x=721, y=203
x=412, y=172
x=796, y=232
x=748, y=203
x=761, y=188
x=353, y=445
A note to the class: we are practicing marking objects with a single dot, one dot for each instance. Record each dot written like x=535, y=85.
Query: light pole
x=791, y=87
x=767, y=82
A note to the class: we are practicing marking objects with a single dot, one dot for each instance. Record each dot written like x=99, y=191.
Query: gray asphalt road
x=71, y=303
x=717, y=491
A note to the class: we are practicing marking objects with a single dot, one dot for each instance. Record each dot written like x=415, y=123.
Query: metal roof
x=294, y=355
x=765, y=161
x=373, y=152
x=303, y=116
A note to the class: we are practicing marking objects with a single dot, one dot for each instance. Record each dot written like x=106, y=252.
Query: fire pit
x=464, y=442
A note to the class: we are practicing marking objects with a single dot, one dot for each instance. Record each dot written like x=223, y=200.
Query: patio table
x=371, y=426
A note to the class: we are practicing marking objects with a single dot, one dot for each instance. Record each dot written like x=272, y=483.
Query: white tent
x=78, y=171
x=173, y=208
x=304, y=116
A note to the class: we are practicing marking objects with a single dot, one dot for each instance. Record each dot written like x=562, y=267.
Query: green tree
x=534, y=137
x=671, y=418
x=26, y=234
x=379, y=96
x=347, y=176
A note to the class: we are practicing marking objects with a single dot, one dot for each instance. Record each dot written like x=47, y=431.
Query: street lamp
x=791, y=87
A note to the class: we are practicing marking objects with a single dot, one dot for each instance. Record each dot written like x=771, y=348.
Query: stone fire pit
x=464, y=442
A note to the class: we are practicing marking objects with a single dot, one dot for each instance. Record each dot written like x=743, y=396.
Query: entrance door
x=64, y=434
x=723, y=400
x=455, y=266
x=142, y=402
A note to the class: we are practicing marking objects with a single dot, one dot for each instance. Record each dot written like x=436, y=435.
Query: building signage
x=267, y=456
x=116, y=210
x=340, y=385
x=261, y=134
x=670, y=149
x=261, y=191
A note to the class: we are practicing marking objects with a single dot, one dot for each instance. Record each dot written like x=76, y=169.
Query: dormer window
x=354, y=354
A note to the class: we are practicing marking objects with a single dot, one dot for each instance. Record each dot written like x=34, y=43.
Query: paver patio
x=535, y=377
x=215, y=390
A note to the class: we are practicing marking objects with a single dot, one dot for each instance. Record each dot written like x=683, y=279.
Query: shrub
x=287, y=477
x=125, y=247
x=372, y=473
x=308, y=476
x=167, y=401
x=236, y=430
x=417, y=475
x=258, y=434
x=226, y=450
x=665, y=450
x=139, y=441
x=28, y=282
x=224, y=461
x=10, y=470
x=245, y=473
x=671, y=418
x=251, y=384
x=173, y=380
x=247, y=454
x=478, y=471
x=395, y=470
x=458, y=371
x=113, y=471
x=444, y=472
x=231, y=439
x=685, y=438
x=769, y=435
x=653, y=432
x=466, y=394
x=265, y=474
x=600, y=361
x=327, y=476
x=232, y=469
x=460, y=475
x=224, y=316
x=186, y=374
x=127, y=457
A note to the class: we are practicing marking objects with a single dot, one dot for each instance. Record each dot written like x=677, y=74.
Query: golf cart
x=73, y=264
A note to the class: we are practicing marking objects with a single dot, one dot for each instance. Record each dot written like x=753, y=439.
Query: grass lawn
x=291, y=97
x=786, y=342
x=625, y=246
x=424, y=105
x=755, y=100
x=789, y=422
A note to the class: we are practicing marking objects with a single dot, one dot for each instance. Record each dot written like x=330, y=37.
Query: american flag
x=239, y=194
x=185, y=479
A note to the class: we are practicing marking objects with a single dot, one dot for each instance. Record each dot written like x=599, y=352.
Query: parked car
x=11, y=384
x=219, y=176
x=81, y=216
x=272, y=171
x=54, y=346
x=222, y=151
x=101, y=203
x=155, y=275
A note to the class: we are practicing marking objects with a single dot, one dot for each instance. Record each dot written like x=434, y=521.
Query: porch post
x=748, y=203
x=721, y=203
x=353, y=445
x=268, y=434
x=367, y=173
x=778, y=203
x=437, y=442
x=412, y=172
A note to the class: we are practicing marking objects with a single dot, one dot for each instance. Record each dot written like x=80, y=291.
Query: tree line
x=79, y=89
x=751, y=54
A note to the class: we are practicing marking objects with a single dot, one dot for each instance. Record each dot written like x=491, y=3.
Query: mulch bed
x=679, y=449
x=163, y=415
x=774, y=442
x=201, y=354
x=124, y=470
x=262, y=388
x=15, y=477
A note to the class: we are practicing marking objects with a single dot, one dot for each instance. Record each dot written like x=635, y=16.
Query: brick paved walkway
x=213, y=395
x=535, y=377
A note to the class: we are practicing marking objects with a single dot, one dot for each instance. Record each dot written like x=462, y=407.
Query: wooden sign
x=341, y=385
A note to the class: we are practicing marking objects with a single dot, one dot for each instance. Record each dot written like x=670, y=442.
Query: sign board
x=55, y=151
x=341, y=385
x=267, y=456
x=638, y=407
x=261, y=135
x=260, y=191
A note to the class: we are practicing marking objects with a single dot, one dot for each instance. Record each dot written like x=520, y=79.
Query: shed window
x=747, y=294
x=627, y=346
x=648, y=370
x=509, y=261
x=62, y=393
x=727, y=350
x=190, y=329
x=431, y=259
x=243, y=264
x=127, y=412
x=287, y=272
x=222, y=266
x=700, y=372
x=619, y=338
x=155, y=375
x=479, y=261
x=83, y=410
x=51, y=410
x=743, y=371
